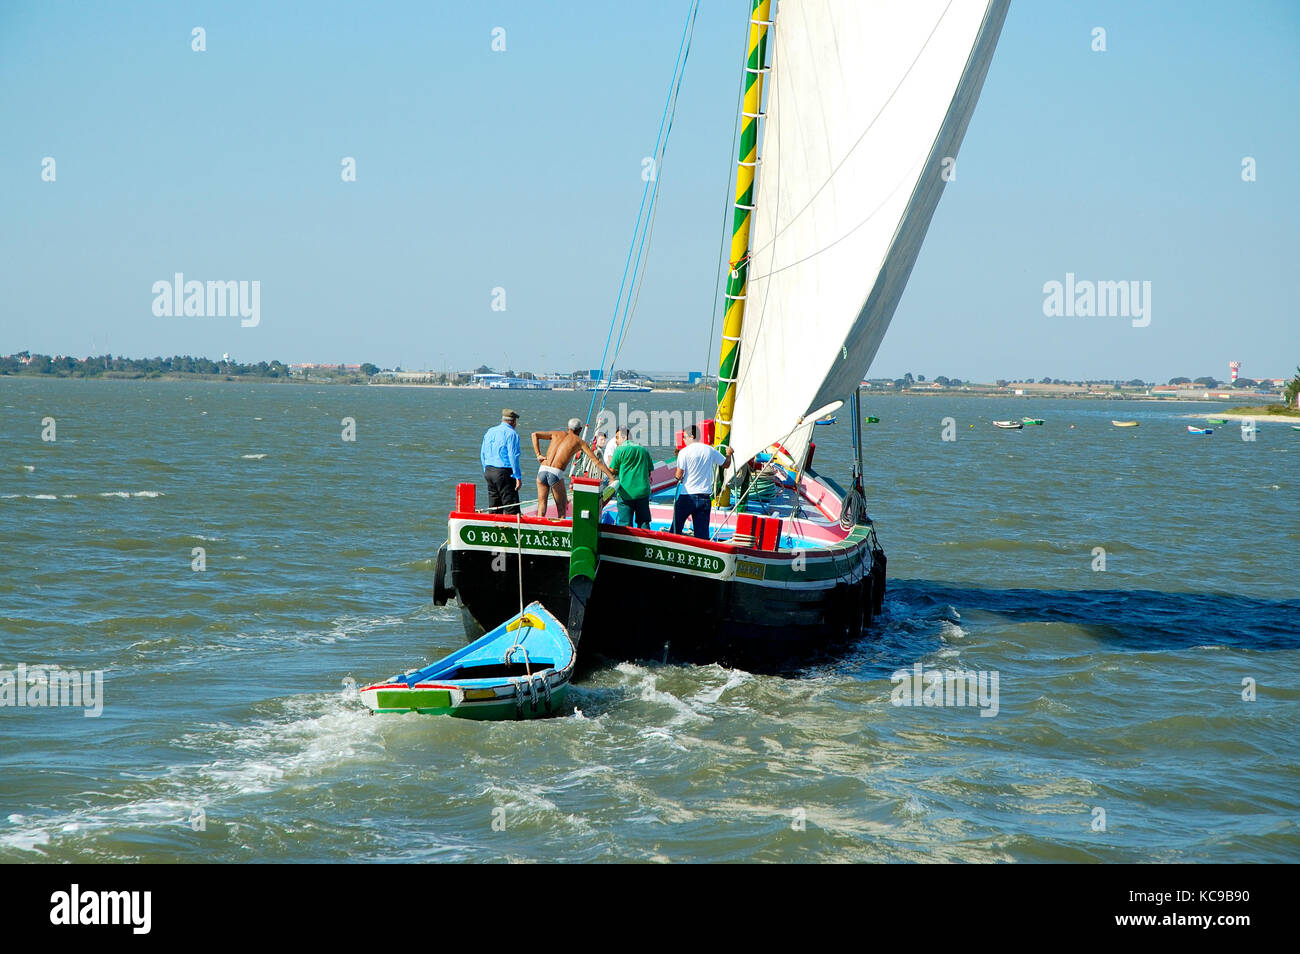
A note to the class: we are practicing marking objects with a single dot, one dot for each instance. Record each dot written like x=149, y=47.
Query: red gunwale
x=658, y=535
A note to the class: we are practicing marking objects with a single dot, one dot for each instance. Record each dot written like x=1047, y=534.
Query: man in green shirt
x=632, y=465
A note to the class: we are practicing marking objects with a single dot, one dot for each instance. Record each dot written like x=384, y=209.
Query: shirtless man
x=550, y=476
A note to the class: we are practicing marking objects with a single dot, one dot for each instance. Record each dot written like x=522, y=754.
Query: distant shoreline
x=1266, y=412
x=1257, y=418
x=470, y=387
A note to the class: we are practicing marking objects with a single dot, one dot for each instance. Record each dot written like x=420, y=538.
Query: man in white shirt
x=608, y=447
x=695, y=464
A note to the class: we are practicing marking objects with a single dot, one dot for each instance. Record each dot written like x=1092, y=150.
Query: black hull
x=641, y=613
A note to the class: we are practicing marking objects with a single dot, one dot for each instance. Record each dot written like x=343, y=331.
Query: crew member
x=550, y=475
x=632, y=464
x=499, y=456
x=695, y=464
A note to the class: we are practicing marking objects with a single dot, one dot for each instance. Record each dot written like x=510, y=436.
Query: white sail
x=867, y=102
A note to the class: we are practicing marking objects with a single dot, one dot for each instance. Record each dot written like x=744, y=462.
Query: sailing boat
x=848, y=133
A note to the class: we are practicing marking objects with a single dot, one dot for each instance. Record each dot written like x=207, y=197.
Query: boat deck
x=810, y=515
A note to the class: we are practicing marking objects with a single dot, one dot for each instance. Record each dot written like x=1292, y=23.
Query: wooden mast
x=738, y=279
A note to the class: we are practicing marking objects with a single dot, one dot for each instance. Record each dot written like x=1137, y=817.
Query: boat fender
x=443, y=588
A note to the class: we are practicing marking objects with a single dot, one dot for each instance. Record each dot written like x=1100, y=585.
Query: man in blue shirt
x=499, y=456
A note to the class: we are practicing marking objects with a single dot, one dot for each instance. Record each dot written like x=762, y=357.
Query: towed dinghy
x=1199, y=430
x=520, y=670
x=1125, y=423
x=1009, y=425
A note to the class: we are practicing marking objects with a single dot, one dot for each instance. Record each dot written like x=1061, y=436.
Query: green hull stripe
x=413, y=699
x=483, y=711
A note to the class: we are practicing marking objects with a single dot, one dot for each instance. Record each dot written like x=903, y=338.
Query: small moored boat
x=1216, y=420
x=824, y=421
x=1199, y=430
x=1031, y=420
x=1125, y=423
x=520, y=670
x=872, y=420
x=1009, y=425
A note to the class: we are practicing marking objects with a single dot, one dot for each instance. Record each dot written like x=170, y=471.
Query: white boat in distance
x=622, y=387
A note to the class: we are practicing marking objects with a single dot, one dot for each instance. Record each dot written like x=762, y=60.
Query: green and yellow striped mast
x=738, y=280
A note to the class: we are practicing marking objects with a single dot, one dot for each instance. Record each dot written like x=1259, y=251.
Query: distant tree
x=1292, y=390
x=1207, y=382
x=1001, y=382
x=481, y=369
x=1246, y=383
x=940, y=379
x=921, y=378
x=369, y=370
x=1136, y=383
x=1180, y=380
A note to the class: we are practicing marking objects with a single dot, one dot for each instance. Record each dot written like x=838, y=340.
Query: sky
x=521, y=169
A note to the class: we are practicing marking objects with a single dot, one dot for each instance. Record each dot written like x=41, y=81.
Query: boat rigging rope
x=650, y=192
x=519, y=553
x=732, y=512
x=528, y=666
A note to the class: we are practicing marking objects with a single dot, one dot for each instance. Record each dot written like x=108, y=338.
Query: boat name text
x=694, y=561
x=537, y=539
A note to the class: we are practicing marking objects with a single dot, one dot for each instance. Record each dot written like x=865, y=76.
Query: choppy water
x=1119, y=691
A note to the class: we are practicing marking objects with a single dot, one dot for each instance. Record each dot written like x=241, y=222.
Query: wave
x=151, y=464
x=306, y=736
x=120, y=494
